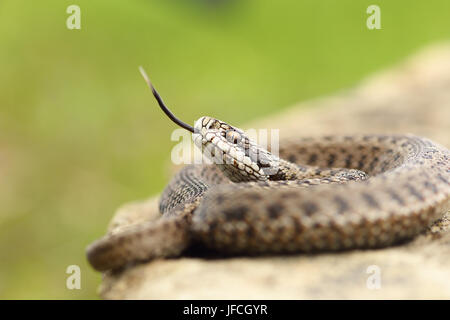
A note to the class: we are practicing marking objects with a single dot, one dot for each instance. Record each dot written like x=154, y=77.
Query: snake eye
x=210, y=124
x=215, y=125
x=233, y=137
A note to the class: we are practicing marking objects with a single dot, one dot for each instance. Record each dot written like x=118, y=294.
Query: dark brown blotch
x=298, y=226
x=394, y=195
x=331, y=159
x=289, y=195
x=348, y=161
x=373, y=163
x=236, y=213
x=413, y=191
x=342, y=205
x=312, y=158
x=310, y=208
x=430, y=186
x=375, y=149
x=362, y=161
x=275, y=210
x=370, y=200
x=440, y=177
x=254, y=196
x=220, y=199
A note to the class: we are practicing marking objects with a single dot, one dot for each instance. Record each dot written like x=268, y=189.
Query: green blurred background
x=80, y=133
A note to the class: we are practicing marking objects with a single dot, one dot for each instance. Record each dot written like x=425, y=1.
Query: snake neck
x=287, y=171
x=240, y=158
x=279, y=169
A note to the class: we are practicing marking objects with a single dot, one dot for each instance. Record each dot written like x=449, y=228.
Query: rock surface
x=411, y=98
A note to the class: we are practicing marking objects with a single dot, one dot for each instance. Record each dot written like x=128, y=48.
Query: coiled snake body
x=320, y=194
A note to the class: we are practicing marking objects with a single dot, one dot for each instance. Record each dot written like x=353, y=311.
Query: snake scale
x=326, y=193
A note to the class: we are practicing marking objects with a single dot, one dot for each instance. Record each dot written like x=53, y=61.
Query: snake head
x=239, y=157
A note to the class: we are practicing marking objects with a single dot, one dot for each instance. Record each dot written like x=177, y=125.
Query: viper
x=318, y=194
